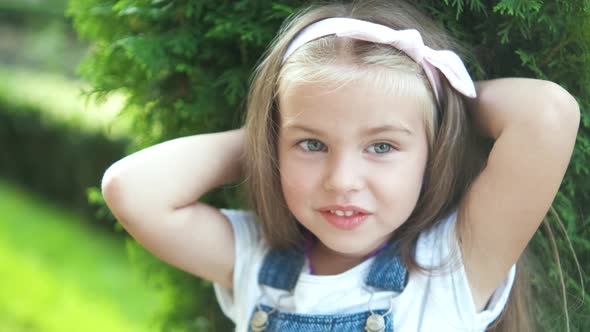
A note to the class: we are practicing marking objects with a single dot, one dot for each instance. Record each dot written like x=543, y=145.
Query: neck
x=325, y=261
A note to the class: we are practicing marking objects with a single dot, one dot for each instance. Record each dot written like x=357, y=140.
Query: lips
x=345, y=217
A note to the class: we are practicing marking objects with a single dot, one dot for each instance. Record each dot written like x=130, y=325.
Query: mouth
x=344, y=209
x=345, y=217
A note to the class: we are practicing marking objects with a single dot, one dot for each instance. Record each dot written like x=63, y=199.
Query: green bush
x=185, y=66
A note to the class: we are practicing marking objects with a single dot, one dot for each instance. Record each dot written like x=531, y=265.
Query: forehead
x=347, y=106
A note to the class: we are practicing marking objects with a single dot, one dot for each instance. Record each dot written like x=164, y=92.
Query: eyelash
x=299, y=144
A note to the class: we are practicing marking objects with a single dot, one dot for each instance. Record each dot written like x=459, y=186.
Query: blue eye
x=380, y=148
x=311, y=145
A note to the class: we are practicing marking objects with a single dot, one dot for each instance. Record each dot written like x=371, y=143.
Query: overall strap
x=281, y=268
x=388, y=271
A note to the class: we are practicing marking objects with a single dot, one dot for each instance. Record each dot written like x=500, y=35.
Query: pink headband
x=409, y=41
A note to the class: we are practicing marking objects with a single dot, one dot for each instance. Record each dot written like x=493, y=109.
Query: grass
x=57, y=273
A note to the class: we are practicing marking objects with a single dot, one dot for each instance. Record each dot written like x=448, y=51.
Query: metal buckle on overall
x=375, y=322
x=259, y=321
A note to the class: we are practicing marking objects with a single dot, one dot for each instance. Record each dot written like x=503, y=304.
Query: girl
x=372, y=209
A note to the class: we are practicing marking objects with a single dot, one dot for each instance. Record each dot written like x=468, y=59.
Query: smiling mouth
x=345, y=220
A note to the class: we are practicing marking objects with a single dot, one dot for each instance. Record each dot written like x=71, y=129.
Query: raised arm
x=154, y=194
x=534, y=125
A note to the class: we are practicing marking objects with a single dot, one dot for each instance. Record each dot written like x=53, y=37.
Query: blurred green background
x=85, y=82
x=63, y=267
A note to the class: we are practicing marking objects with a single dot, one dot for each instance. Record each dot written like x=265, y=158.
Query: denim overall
x=281, y=270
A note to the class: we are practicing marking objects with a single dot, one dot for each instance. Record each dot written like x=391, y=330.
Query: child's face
x=334, y=149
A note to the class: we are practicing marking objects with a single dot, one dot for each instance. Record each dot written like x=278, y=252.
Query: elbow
x=107, y=179
x=108, y=189
x=557, y=112
x=560, y=116
x=108, y=185
x=563, y=106
x=130, y=206
x=111, y=193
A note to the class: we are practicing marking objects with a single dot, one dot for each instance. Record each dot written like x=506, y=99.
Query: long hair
x=456, y=154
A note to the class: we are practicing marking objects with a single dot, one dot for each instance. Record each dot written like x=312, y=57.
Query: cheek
x=298, y=180
x=415, y=179
x=400, y=183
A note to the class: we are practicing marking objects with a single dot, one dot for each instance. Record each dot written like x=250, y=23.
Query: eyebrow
x=366, y=131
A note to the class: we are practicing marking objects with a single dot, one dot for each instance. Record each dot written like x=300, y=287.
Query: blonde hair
x=456, y=154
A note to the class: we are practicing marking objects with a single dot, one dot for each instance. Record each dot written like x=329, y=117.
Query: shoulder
x=244, y=223
x=249, y=252
x=436, y=244
x=446, y=282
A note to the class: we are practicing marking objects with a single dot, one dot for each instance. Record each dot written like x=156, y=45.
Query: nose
x=344, y=173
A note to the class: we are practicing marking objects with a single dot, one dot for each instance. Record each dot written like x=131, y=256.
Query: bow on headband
x=409, y=41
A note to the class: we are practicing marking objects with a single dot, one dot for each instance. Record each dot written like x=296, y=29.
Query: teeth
x=342, y=213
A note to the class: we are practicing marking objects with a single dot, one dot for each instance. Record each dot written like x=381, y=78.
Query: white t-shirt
x=440, y=301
